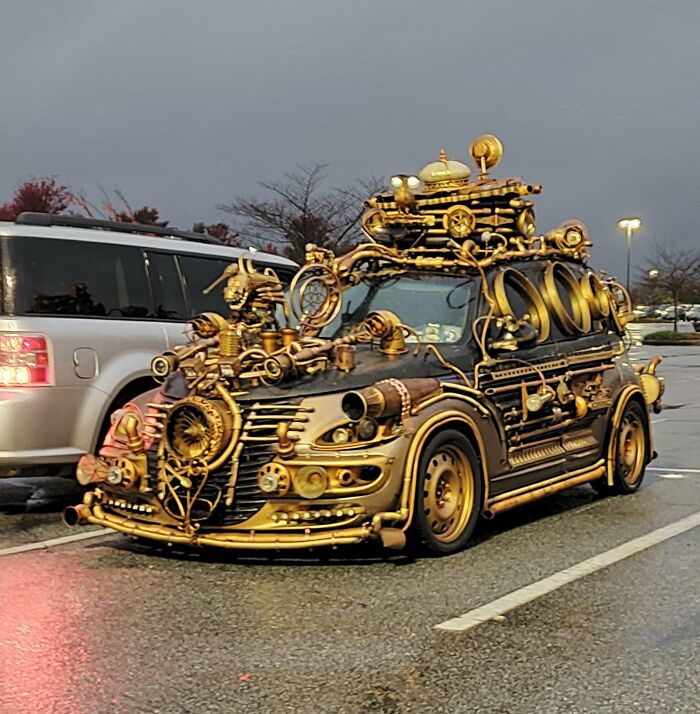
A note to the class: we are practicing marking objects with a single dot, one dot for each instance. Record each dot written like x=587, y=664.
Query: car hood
x=371, y=366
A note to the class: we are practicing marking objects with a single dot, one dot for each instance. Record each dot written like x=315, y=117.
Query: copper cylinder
x=384, y=398
x=345, y=357
x=270, y=341
x=289, y=335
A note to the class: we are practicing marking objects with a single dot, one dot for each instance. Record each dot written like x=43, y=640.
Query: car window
x=167, y=287
x=64, y=277
x=199, y=273
x=435, y=306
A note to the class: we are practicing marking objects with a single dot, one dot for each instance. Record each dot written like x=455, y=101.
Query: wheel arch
x=466, y=425
x=131, y=389
x=630, y=393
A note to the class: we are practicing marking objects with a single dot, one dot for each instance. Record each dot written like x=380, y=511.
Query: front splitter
x=250, y=540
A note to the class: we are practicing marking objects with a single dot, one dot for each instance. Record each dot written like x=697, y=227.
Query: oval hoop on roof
x=510, y=279
x=596, y=295
x=558, y=278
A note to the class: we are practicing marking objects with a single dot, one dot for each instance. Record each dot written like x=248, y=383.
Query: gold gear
x=458, y=221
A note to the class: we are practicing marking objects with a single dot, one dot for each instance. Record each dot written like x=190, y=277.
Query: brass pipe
x=238, y=540
x=508, y=503
x=76, y=515
x=490, y=391
x=235, y=432
x=538, y=432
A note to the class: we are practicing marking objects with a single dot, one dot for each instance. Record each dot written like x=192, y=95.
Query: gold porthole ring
x=596, y=295
x=517, y=281
x=579, y=321
x=459, y=221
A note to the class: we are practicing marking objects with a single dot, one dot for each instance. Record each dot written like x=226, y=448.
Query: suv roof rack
x=30, y=218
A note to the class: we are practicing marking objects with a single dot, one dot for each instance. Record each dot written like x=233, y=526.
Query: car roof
x=167, y=244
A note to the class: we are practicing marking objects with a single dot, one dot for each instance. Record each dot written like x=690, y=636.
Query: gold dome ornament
x=487, y=151
x=444, y=173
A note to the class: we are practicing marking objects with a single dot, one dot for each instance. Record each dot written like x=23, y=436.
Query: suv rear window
x=44, y=276
x=199, y=274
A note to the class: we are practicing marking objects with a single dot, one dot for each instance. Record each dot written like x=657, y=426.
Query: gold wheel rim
x=448, y=493
x=630, y=449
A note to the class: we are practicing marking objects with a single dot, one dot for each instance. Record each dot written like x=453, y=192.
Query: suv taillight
x=24, y=360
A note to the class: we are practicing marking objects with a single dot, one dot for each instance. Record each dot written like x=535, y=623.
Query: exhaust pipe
x=388, y=398
x=76, y=515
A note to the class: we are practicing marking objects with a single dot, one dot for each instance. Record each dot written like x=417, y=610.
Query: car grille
x=260, y=420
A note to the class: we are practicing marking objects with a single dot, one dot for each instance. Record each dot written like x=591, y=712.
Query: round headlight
x=396, y=181
x=268, y=483
x=341, y=435
x=114, y=476
x=366, y=428
x=413, y=182
x=310, y=481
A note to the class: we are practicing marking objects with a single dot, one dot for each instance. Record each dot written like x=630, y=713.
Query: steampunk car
x=455, y=364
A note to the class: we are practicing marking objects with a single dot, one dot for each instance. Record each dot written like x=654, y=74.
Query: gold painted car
x=455, y=364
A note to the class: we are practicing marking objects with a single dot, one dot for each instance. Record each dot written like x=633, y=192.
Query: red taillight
x=24, y=360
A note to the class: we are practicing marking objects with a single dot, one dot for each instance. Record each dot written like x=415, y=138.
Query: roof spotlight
x=396, y=181
x=413, y=182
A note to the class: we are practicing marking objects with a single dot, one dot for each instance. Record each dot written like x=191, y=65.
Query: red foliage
x=224, y=233
x=43, y=195
x=146, y=215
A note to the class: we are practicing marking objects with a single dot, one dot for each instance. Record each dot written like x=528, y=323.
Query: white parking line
x=658, y=421
x=681, y=471
x=41, y=544
x=666, y=475
x=535, y=590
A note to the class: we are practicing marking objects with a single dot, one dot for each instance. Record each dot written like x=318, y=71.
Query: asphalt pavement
x=105, y=624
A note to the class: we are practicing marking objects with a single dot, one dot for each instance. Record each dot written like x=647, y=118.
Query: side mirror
x=512, y=334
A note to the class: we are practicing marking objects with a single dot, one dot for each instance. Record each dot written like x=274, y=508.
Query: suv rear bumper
x=40, y=426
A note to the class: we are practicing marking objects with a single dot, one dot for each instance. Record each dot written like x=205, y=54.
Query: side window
x=66, y=277
x=199, y=273
x=167, y=287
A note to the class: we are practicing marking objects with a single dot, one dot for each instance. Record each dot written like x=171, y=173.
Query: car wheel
x=448, y=493
x=629, y=453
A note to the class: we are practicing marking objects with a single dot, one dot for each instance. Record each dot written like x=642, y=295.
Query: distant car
x=84, y=307
x=644, y=311
x=668, y=313
x=693, y=314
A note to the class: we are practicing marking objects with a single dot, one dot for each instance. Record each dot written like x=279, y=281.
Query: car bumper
x=39, y=425
x=96, y=515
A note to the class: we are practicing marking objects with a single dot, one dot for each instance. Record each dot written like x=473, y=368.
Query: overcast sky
x=185, y=105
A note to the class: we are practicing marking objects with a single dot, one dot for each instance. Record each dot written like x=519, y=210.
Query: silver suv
x=84, y=306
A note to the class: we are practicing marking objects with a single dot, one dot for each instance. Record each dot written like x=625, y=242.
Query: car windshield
x=435, y=306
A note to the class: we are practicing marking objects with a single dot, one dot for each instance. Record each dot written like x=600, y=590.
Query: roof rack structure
x=29, y=218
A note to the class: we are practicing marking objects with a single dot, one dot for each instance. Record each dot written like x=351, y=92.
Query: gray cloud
x=184, y=105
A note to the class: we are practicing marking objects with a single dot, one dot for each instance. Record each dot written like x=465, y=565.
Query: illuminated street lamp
x=654, y=273
x=629, y=226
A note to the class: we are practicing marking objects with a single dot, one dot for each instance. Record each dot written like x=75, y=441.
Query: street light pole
x=629, y=226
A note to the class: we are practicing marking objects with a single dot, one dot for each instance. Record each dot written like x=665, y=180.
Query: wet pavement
x=108, y=625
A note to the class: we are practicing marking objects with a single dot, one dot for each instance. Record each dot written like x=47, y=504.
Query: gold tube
x=508, y=503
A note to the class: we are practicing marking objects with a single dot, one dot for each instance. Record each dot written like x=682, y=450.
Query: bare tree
x=298, y=211
x=675, y=271
x=110, y=211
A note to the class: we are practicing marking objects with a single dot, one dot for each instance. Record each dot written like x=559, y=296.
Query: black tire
x=449, y=493
x=630, y=453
